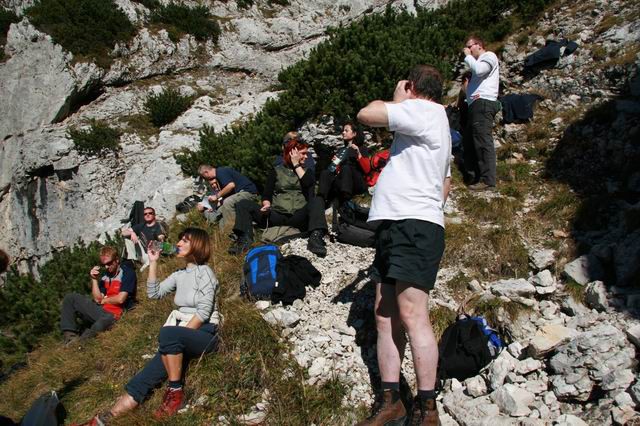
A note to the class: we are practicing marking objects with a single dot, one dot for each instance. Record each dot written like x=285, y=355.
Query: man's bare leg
x=414, y=314
x=391, y=339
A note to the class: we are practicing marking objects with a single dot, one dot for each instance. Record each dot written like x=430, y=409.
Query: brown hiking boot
x=389, y=411
x=424, y=413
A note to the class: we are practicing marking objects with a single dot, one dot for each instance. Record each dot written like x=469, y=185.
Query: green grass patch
x=97, y=140
x=164, y=107
x=575, y=290
x=559, y=207
x=180, y=19
x=458, y=285
x=498, y=313
x=510, y=255
x=83, y=27
x=494, y=210
x=441, y=317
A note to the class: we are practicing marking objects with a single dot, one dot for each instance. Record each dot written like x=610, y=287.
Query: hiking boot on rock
x=171, y=402
x=389, y=411
x=424, y=413
x=316, y=243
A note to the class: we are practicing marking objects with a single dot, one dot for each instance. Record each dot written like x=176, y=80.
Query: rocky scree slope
x=572, y=321
x=51, y=196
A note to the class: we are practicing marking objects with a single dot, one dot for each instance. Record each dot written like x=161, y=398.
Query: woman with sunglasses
x=190, y=331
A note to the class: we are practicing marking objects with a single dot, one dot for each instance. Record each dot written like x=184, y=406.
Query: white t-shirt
x=411, y=184
x=485, y=77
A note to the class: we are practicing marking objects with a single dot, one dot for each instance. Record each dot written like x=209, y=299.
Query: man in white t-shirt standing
x=482, y=95
x=409, y=201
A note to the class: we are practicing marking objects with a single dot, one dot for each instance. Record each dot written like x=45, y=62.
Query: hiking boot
x=88, y=334
x=387, y=411
x=69, y=337
x=239, y=246
x=172, y=401
x=316, y=243
x=424, y=413
x=481, y=186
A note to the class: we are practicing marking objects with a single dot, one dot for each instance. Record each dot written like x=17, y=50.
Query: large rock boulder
x=38, y=83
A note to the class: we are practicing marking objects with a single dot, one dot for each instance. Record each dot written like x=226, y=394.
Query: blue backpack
x=260, y=272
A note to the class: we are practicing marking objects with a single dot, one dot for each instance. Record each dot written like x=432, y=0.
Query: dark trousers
x=349, y=182
x=479, y=152
x=308, y=218
x=75, y=304
x=171, y=341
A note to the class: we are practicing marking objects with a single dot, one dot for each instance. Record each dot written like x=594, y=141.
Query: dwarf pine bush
x=84, y=27
x=181, y=19
x=97, y=140
x=166, y=106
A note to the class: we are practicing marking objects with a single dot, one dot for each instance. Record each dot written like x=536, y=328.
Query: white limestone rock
x=542, y=259
x=596, y=296
x=512, y=288
x=513, y=400
x=584, y=269
x=570, y=420
x=476, y=386
x=548, y=338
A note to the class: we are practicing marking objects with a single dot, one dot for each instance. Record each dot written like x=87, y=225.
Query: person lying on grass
x=190, y=331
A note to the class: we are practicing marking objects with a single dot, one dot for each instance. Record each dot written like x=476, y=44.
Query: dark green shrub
x=31, y=308
x=185, y=20
x=149, y=4
x=97, y=140
x=85, y=27
x=357, y=64
x=7, y=17
x=166, y=106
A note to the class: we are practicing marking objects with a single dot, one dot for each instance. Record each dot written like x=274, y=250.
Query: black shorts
x=408, y=250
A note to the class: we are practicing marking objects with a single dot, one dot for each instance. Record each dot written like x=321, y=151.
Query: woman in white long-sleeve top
x=190, y=331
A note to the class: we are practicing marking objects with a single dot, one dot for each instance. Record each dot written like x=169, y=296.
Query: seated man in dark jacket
x=288, y=200
x=111, y=293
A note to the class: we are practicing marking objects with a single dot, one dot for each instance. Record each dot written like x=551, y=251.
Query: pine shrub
x=357, y=64
x=196, y=21
x=31, y=307
x=166, y=106
x=84, y=27
x=97, y=140
x=7, y=17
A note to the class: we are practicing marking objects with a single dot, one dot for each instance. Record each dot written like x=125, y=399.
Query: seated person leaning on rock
x=145, y=232
x=347, y=179
x=226, y=185
x=111, y=293
x=288, y=200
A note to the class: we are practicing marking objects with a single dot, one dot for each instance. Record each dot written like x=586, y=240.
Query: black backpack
x=188, y=203
x=352, y=227
x=466, y=347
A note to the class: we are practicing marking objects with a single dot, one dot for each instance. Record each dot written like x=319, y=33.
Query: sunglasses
x=469, y=46
x=111, y=262
x=149, y=214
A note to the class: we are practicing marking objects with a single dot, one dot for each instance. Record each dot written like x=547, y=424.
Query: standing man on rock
x=409, y=201
x=482, y=95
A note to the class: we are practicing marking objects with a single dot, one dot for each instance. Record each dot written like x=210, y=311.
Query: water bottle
x=340, y=156
x=169, y=249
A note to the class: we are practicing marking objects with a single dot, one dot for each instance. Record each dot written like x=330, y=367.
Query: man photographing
x=482, y=95
x=409, y=201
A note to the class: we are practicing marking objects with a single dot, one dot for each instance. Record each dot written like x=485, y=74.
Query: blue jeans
x=171, y=341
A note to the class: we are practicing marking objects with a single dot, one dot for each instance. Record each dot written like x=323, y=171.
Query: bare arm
x=95, y=289
x=115, y=300
x=226, y=190
x=195, y=322
x=374, y=115
x=446, y=187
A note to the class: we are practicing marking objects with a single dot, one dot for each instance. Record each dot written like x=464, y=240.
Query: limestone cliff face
x=51, y=196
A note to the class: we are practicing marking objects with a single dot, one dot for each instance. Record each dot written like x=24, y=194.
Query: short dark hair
x=426, y=81
x=200, y=245
x=150, y=208
x=4, y=261
x=475, y=38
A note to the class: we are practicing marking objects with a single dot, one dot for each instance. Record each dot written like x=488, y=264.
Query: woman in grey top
x=190, y=331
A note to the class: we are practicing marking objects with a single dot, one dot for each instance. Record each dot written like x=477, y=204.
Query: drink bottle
x=340, y=156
